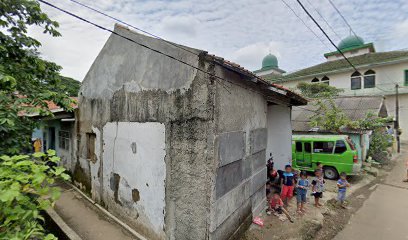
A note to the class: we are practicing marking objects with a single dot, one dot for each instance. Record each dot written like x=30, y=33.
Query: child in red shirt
x=288, y=184
x=276, y=205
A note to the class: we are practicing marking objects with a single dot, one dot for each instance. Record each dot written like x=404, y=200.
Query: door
x=303, y=154
x=299, y=154
x=307, y=154
x=51, y=132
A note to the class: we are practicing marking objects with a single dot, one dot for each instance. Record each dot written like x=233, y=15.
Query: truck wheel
x=330, y=173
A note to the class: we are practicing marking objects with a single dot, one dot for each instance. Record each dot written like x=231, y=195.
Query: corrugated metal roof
x=354, y=108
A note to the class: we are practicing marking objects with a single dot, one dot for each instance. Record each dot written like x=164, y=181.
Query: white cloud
x=401, y=29
x=179, y=26
x=251, y=56
x=240, y=30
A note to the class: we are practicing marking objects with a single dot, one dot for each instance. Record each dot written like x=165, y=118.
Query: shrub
x=26, y=189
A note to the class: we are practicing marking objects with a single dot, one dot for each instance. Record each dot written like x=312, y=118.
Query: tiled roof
x=54, y=108
x=355, y=108
x=338, y=65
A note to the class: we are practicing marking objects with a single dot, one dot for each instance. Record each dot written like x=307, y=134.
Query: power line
x=164, y=54
x=131, y=40
x=344, y=19
x=132, y=26
x=327, y=36
x=324, y=19
x=304, y=23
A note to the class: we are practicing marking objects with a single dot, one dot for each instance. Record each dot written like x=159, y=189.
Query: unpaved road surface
x=384, y=215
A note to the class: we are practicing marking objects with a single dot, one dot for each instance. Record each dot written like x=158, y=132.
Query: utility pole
x=396, y=125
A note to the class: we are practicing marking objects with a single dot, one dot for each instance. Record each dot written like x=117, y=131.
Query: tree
x=318, y=90
x=71, y=86
x=328, y=116
x=27, y=81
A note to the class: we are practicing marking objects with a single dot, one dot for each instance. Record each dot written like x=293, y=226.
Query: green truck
x=336, y=152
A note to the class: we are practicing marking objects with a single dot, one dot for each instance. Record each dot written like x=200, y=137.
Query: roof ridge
x=341, y=64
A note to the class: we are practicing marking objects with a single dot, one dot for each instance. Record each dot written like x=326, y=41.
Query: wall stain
x=135, y=195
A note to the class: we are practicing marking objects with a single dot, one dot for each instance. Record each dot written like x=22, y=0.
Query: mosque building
x=377, y=74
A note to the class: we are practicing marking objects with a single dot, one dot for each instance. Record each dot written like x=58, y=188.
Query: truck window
x=340, y=147
x=308, y=147
x=323, y=147
x=299, y=147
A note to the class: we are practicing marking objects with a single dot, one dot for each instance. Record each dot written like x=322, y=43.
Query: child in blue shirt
x=342, y=185
x=301, y=191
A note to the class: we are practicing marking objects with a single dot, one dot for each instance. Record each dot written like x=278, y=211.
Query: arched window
x=326, y=80
x=355, y=81
x=315, y=80
x=369, y=79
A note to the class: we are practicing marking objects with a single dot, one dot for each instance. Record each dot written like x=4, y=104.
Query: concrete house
x=377, y=75
x=354, y=108
x=174, y=151
x=57, y=133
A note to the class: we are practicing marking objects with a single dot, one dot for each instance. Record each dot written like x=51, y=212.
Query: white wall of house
x=135, y=152
x=279, y=135
x=403, y=113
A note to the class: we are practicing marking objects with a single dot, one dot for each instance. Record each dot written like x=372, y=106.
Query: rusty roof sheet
x=354, y=108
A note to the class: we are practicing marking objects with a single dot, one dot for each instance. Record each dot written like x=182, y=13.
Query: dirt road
x=384, y=214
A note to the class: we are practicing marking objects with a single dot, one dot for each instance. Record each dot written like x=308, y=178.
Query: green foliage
x=26, y=80
x=26, y=189
x=379, y=142
x=317, y=90
x=370, y=122
x=70, y=86
x=328, y=116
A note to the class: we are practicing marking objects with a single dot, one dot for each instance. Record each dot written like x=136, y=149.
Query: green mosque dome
x=269, y=61
x=350, y=42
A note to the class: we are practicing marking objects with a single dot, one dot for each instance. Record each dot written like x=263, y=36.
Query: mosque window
x=369, y=79
x=326, y=80
x=355, y=81
x=314, y=80
x=406, y=77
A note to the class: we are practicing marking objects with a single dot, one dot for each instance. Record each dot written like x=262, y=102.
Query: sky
x=240, y=31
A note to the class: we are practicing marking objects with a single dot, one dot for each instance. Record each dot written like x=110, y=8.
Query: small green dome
x=270, y=61
x=350, y=41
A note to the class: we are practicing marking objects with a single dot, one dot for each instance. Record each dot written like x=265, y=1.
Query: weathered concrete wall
x=240, y=144
x=128, y=87
x=123, y=64
x=279, y=135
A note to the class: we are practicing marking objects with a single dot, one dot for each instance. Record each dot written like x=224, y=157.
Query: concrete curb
x=67, y=230
x=109, y=215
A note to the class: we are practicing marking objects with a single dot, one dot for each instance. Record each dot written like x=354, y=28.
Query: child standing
x=318, y=187
x=342, y=185
x=287, y=183
x=319, y=166
x=276, y=205
x=301, y=191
